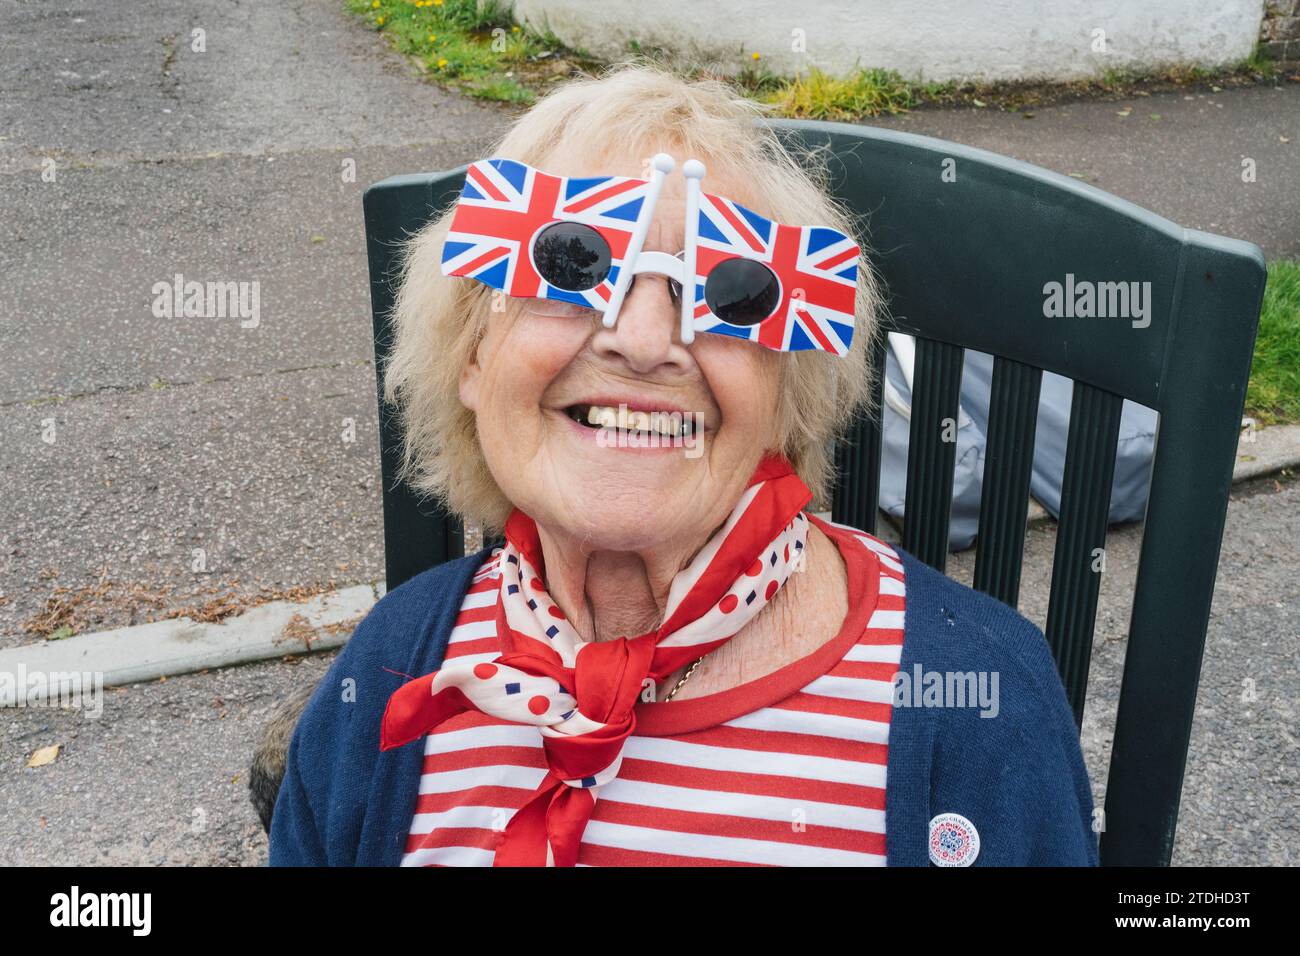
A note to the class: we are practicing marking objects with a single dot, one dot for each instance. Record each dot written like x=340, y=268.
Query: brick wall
x=1279, y=33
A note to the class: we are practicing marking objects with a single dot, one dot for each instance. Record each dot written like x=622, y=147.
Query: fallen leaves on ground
x=220, y=608
x=44, y=756
x=299, y=628
x=70, y=611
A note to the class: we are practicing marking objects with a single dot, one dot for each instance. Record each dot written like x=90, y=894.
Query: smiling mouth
x=670, y=424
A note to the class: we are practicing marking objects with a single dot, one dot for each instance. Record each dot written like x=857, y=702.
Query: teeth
x=672, y=424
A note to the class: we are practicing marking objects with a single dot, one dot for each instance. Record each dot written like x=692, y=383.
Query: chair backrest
x=968, y=243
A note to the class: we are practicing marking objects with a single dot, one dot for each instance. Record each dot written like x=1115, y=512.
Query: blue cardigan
x=1019, y=777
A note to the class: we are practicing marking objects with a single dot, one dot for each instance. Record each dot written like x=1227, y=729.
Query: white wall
x=930, y=39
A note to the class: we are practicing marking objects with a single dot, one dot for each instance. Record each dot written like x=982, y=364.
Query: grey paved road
x=160, y=779
x=1178, y=154
x=177, y=434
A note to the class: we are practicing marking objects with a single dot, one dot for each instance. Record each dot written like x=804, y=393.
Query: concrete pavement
x=1178, y=154
x=166, y=436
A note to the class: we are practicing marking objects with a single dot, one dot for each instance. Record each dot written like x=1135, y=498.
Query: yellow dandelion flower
x=437, y=3
x=433, y=37
x=442, y=63
x=380, y=21
x=375, y=4
x=515, y=28
x=755, y=55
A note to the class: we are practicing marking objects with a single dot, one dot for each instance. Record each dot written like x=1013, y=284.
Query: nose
x=647, y=336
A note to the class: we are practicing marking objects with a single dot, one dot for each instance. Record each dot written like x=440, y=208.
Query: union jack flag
x=504, y=204
x=817, y=268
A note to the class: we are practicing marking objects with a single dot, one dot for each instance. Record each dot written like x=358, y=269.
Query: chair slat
x=1008, y=466
x=417, y=534
x=1207, y=370
x=1081, y=536
x=936, y=391
x=856, y=499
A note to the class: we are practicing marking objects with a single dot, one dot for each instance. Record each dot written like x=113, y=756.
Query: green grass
x=1273, y=395
x=479, y=49
x=821, y=96
x=473, y=46
x=933, y=90
x=1258, y=63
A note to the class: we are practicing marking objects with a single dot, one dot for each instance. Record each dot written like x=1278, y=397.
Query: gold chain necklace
x=678, y=686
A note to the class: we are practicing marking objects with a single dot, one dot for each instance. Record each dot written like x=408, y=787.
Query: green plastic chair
x=965, y=257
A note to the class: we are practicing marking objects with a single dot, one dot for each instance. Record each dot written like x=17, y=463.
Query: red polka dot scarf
x=581, y=694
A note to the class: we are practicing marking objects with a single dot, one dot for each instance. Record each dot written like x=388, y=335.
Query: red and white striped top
x=786, y=770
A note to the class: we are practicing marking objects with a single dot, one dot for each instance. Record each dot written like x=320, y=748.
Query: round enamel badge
x=954, y=841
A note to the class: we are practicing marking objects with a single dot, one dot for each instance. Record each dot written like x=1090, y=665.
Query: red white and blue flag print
x=816, y=266
x=504, y=204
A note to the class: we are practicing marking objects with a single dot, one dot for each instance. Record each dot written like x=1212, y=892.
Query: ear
x=470, y=375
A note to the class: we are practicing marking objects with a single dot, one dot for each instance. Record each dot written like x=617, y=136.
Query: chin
x=623, y=521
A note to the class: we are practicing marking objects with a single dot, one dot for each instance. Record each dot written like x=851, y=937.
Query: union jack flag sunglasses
x=579, y=240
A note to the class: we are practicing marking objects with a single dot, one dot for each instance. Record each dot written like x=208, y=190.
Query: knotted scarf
x=582, y=694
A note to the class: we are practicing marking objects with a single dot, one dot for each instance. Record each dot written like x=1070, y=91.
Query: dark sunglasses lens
x=742, y=291
x=571, y=256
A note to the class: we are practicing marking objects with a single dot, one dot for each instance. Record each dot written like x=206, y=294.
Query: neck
x=610, y=594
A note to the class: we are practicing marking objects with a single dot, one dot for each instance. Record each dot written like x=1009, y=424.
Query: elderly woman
x=629, y=346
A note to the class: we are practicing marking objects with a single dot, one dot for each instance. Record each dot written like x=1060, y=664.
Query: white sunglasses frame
x=661, y=262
